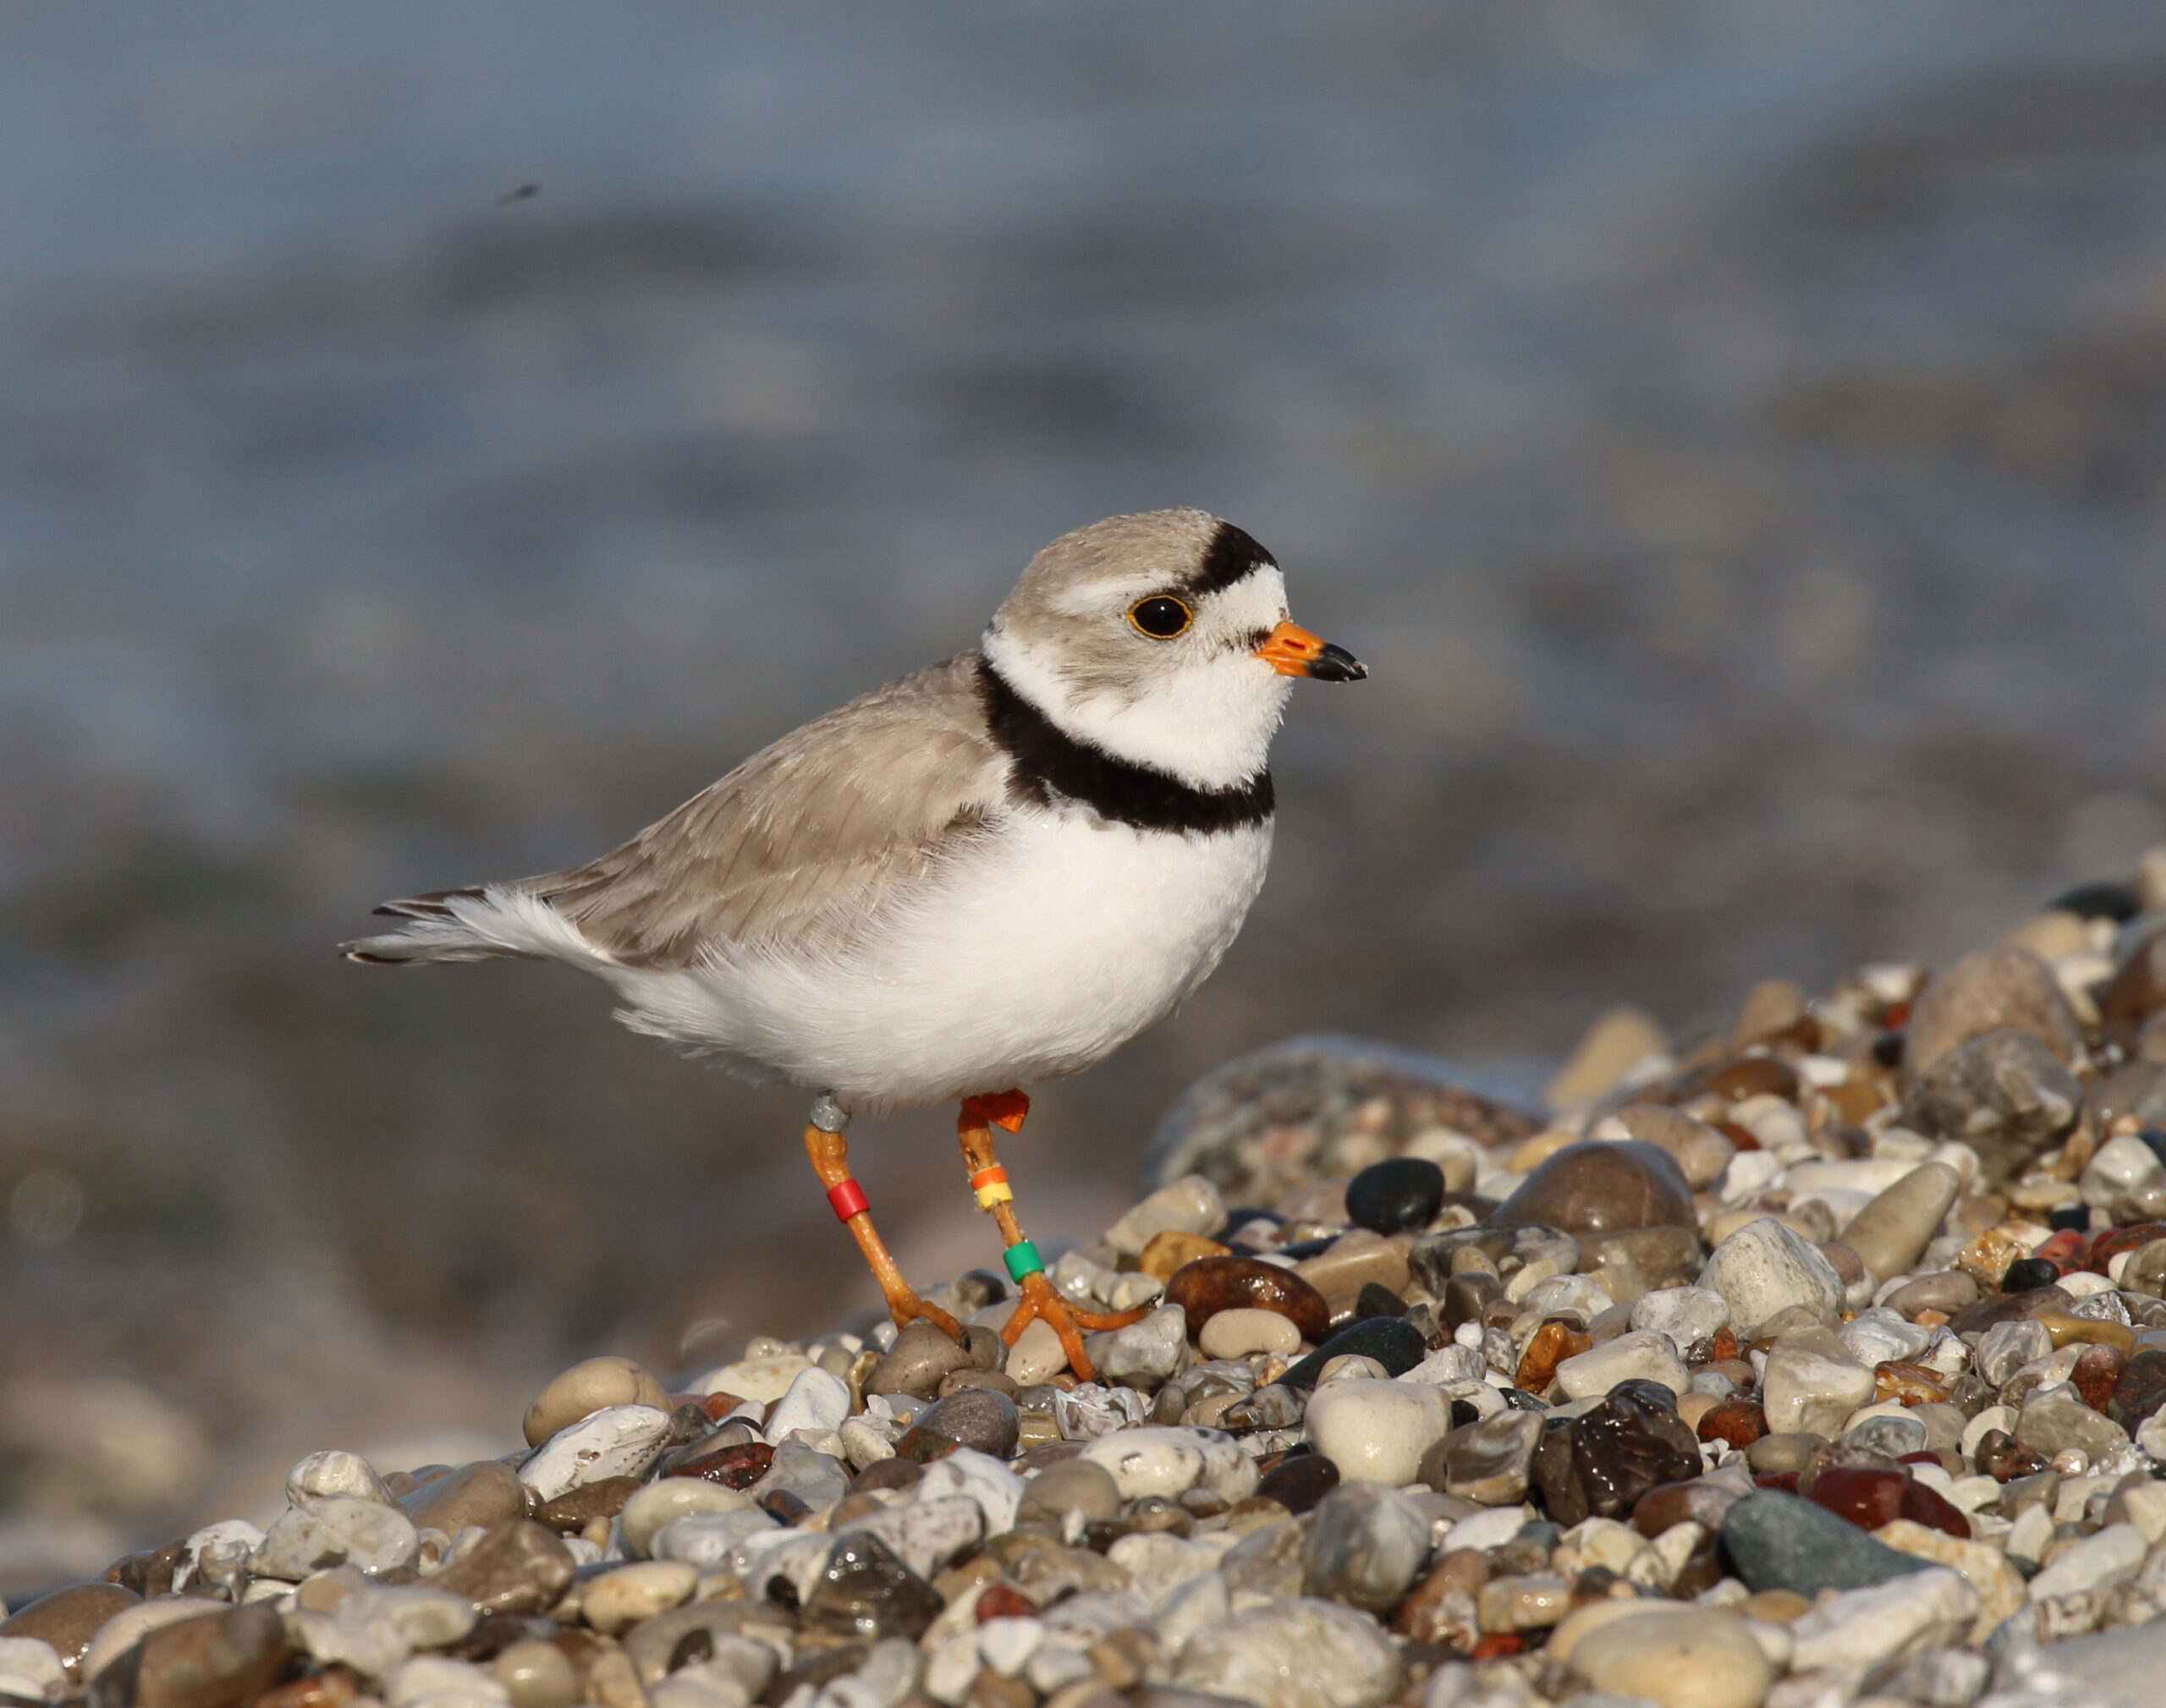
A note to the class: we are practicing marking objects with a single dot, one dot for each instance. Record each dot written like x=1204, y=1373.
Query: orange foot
x=1041, y=1300
x=907, y=1308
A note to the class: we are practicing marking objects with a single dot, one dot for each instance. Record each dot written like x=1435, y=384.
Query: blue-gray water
x=1732, y=431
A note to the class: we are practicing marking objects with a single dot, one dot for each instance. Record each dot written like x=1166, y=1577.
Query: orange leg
x=989, y=1180
x=830, y=1155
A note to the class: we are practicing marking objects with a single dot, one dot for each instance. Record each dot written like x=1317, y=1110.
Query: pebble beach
x=1816, y=1361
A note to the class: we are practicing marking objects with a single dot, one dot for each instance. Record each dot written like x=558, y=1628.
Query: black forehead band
x=1232, y=556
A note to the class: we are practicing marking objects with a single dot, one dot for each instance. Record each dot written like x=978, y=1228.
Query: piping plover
x=994, y=871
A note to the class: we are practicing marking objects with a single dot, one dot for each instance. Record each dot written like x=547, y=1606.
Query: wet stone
x=1214, y=1284
x=336, y=1531
x=1399, y=1194
x=1073, y=1486
x=1779, y=1541
x=2141, y=1388
x=66, y=1619
x=865, y=1591
x=1698, y=1501
x=1600, y=1185
x=1631, y=1442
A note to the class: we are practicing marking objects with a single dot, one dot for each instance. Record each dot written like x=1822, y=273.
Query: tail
x=482, y=924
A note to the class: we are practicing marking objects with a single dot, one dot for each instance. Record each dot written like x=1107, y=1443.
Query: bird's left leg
x=830, y=1153
x=989, y=1180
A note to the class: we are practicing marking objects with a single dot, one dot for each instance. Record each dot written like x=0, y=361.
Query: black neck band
x=1046, y=762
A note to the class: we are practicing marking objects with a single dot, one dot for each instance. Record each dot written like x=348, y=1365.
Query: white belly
x=1059, y=939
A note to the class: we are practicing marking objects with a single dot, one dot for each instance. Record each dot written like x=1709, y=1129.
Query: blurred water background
x=1733, y=432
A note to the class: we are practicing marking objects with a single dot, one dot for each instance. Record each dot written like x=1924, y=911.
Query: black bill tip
x=1337, y=664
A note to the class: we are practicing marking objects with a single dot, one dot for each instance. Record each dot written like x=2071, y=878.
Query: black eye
x=1161, y=616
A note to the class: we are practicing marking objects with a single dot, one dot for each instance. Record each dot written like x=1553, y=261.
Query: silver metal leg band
x=827, y=1115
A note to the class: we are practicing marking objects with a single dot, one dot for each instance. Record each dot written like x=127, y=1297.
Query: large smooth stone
x=66, y=1619
x=2002, y=987
x=487, y=1492
x=1597, y=1186
x=1366, y=1545
x=1779, y=1541
x=1210, y=1285
x=1377, y=1430
x=1895, y=1227
x=2004, y=1093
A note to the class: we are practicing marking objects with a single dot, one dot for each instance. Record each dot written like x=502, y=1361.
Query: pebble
x=1597, y=1186
x=1778, y=1541
x=1642, y=1355
x=1211, y=1284
x=1893, y=1230
x=1861, y=1632
x=1294, y=1653
x=618, y=1440
x=1080, y=1485
x=1240, y=1332
x=66, y=1619
x=1489, y=1462
x=1986, y=992
x=816, y=1400
x=923, y=1354
x=125, y=1629
x=629, y=1594
x=1146, y=1353
x=1168, y=1462
x=336, y=1531
x=1396, y=1195
x=1679, y=1656
x=2004, y=1095
x=1376, y=1431
x=517, y=1568
x=1765, y=1268
x=1190, y=1205
x=230, y=1657
x=981, y=1418
x=2105, y=1561
x=486, y=1493
x=1367, y=1544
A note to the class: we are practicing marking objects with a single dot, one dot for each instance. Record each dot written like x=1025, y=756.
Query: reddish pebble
x=1867, y=1497
x=1723, y=1347
x=1552, y=1345
x=1212, y=1284
x=1000, y=1600
x=1739, y=1422
x=1497, y=1645
x=2066, y=1251
x=737, y=1467
x=1784, y=1481
x=2097, y=1374
x=2107, y=1246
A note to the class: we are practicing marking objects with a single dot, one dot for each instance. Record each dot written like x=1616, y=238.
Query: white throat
x=1210, y=725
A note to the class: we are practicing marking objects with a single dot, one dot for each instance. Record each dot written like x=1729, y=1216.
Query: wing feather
x=805, y=841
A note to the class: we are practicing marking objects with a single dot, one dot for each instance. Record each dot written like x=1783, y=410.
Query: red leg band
x=849, y=1199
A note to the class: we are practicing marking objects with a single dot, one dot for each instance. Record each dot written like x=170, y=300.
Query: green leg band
x=1022, y=1259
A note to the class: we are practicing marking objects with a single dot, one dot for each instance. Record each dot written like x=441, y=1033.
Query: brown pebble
x=220, y=1661
x=486, y=1493
x=1212, y=1284
x=997, y=1380
x=68, y=1618
x=2097, y=1374
x=1597, y=1185
x=888, y=1474
x=1739, y=1422
x=570, y=1513
x=519, y=1567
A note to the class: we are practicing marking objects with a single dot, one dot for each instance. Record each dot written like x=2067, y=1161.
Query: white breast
x=1055, y=940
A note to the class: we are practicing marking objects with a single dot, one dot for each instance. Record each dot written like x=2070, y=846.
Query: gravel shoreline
x=1820, y=1363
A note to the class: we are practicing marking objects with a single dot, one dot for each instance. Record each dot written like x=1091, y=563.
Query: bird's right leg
x=830, y=1154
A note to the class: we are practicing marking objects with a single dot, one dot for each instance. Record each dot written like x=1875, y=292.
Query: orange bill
x=1292, y=650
